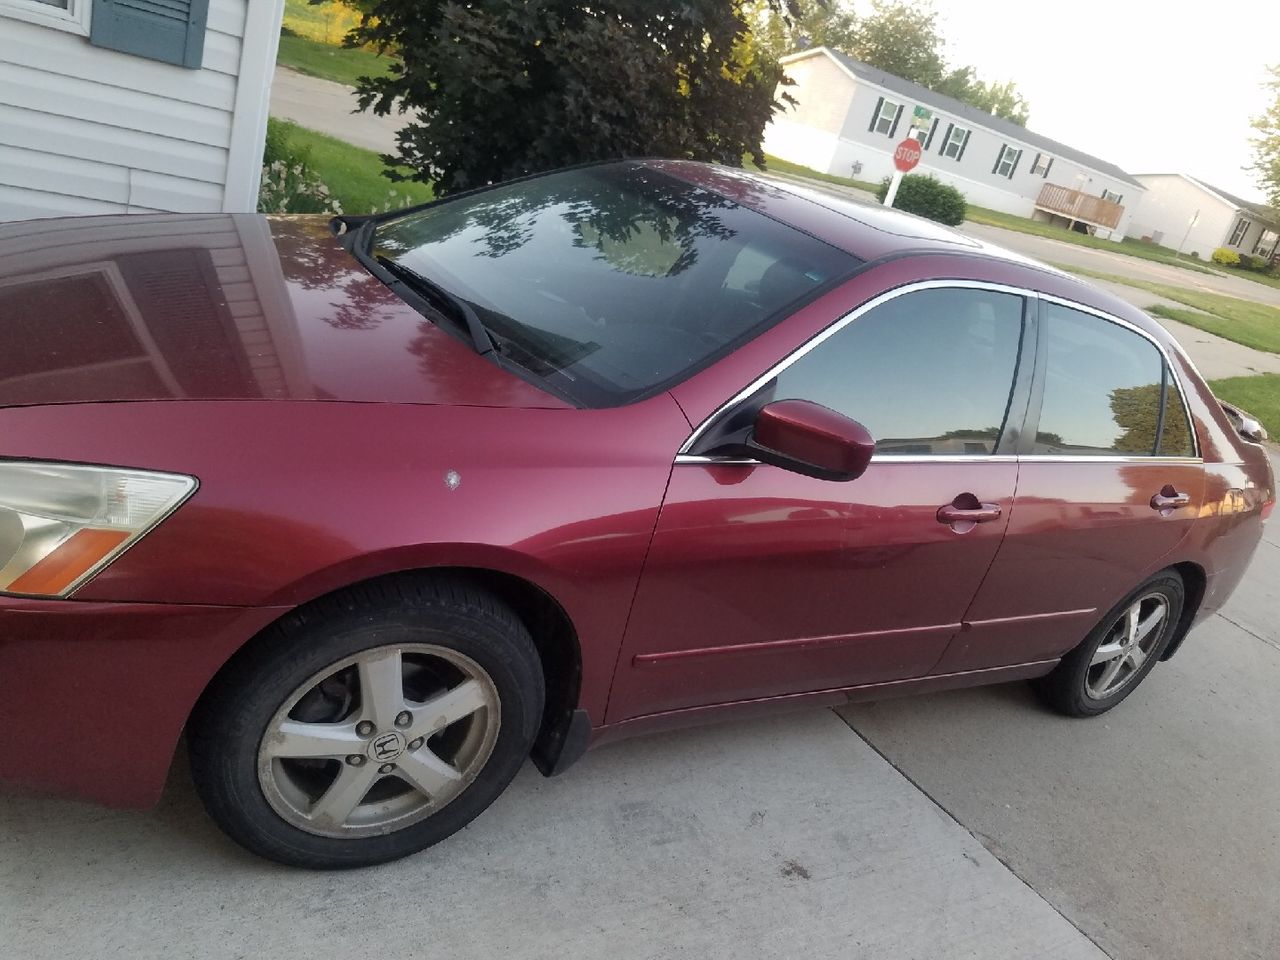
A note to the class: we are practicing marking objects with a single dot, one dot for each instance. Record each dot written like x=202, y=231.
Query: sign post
x=905, y=157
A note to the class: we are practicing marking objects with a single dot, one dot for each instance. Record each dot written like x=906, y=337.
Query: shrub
x=1226, y=256
x=927, y=197
x=289, y=185
x=1249, y=262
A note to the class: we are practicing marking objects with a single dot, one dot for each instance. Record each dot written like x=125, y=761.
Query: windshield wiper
x=428, y=289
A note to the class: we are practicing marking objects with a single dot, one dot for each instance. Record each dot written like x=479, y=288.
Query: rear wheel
x=370, y=726
x=1120, y=651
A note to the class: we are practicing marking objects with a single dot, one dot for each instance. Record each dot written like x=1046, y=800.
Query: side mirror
x=810, y=439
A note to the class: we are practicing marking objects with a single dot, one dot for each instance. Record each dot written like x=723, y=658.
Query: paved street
x=327, y=107
x=998, y=831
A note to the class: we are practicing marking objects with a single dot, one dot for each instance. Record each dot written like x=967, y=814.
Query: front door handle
x=1169, y=500
x=966, y=511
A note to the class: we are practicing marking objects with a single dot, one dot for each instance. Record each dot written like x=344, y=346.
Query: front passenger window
x=928, y=373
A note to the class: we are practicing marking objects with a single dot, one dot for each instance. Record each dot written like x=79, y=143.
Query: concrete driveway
x=963, y=825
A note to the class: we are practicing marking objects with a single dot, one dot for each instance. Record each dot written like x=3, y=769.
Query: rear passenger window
x=1104, y=391
x=928, y=373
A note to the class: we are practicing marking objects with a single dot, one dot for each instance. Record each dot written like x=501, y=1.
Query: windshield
x=613, y=281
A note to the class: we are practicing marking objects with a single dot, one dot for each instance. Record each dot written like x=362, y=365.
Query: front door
x=1109, y=484
x=761, y=582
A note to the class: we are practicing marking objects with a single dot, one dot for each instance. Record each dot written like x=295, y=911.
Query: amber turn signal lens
x=75, y=557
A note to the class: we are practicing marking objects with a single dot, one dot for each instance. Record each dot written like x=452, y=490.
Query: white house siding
x=789, y=138
x=1171, y=201
x=89, y=130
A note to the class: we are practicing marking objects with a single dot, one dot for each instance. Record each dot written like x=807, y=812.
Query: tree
x=1000, y=99
x=814, y=24
x=502, y=88
x=901, y=37
x=1266, y=145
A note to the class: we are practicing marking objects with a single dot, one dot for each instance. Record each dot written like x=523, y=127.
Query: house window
x=1112, y=197
x=1007, y=162
x=1237, y=235
x=1266, y=245
x=886, y=117
x=956, y=140
x=70, y=15
x=1042, y=164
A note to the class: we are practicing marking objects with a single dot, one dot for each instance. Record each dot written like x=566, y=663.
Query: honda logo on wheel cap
x=385, y=748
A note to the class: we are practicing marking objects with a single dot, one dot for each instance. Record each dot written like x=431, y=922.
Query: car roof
x=870, y=231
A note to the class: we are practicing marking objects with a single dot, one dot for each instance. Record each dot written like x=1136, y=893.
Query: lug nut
x=416, y=744
x=364, y=728
x=404, y=719
x=355, y=759
x=386, y=768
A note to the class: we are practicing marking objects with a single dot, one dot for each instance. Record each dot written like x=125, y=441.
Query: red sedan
x=376, y=509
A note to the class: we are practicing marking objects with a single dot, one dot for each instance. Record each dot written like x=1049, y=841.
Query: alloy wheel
x=379, y=740
x=1128, y=645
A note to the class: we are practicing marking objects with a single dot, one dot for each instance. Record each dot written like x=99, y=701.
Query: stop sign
x=907, y=155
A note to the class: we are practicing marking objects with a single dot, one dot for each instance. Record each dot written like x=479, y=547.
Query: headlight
x=62, y=523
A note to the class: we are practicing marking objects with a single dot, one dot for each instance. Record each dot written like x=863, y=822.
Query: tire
x=269, y=739
x=1079, y=686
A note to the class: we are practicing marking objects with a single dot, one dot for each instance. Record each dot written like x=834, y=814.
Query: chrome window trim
x=1168, y=362
x=684, y=457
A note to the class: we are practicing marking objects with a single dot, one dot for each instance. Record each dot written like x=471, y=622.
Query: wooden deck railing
x=1079, y=206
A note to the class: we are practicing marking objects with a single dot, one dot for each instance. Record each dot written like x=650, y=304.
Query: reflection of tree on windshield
x=640, y=221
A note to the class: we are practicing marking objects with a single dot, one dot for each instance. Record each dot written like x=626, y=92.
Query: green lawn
x=353, y=176
x=339, y=64
x=1258, y=395
x=776, y=165
x=324, y=22
x=1255, y=325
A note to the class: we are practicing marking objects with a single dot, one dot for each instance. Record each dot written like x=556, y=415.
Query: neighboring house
x=1193, y=217
x=850, y=117
x=123, y=106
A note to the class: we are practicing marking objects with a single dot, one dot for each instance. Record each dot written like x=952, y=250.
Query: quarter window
x=928, y=372
x=1105, y=392
x=1237, y=235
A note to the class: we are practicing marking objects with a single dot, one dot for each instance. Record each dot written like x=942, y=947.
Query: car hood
x=219, y=307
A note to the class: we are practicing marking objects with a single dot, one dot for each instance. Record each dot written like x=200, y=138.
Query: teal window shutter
x=168, y=30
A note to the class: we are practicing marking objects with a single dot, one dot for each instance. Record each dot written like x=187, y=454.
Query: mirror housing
x=810, y=439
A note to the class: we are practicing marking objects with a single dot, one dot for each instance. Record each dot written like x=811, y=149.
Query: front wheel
x=1119, y=652
x=369, y=727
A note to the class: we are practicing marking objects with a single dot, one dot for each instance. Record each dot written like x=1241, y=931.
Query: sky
x=1155, y=87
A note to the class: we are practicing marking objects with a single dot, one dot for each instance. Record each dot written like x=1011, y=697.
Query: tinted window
x=1175, y=435
x=616, y=280
x=927, y=373
x=1102, y=390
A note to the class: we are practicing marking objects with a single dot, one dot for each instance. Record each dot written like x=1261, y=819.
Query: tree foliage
x=1266, y=142
x=497, y=89
x=901, y=37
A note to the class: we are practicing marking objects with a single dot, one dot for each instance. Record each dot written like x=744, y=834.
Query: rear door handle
x=1168, y=500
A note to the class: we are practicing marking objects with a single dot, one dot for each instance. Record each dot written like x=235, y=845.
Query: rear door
x=761, y=582
x=1109, y=484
